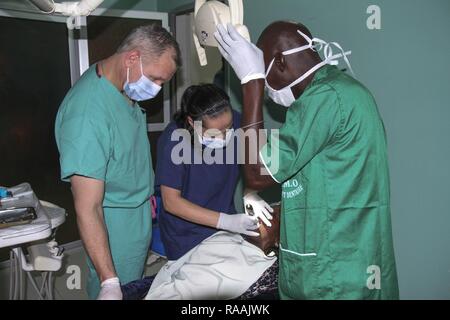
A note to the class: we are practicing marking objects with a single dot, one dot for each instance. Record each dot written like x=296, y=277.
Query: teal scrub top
x=331, y=158
x=101, y=136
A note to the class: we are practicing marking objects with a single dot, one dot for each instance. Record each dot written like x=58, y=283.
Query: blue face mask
x=141, y=90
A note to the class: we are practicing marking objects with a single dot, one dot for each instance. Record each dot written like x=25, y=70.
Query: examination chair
x=264, y=288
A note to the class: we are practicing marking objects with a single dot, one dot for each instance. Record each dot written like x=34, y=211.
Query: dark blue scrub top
x=210, y=186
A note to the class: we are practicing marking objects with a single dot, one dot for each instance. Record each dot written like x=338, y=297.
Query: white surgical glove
x=110, y=290
x=246, y=59
x=238, y=223
x=261, y=209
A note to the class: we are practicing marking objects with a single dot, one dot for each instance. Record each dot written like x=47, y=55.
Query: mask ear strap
x=142, y=70
x=307, y=74
x=286, y=53
x=310, y=41
x=128, y=75
x=310, y=45
x=270, y=67
x=295, y=50
x=328, y=53
x=299, y=49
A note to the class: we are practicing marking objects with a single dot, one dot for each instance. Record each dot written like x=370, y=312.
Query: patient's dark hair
x=199, y=101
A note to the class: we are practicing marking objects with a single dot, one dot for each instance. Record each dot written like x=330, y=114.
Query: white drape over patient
x=222, y=266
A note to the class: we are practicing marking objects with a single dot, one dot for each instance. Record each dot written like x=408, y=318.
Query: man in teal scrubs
x=331, y=159
x=101, y=133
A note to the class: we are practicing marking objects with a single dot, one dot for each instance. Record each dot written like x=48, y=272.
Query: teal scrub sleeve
x=84, y=145
x=312, y=122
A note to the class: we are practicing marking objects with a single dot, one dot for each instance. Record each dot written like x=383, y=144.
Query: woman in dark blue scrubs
x=197, y=195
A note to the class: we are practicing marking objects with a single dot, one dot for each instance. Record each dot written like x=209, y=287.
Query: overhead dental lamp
x=72, y=9
x=208, y=14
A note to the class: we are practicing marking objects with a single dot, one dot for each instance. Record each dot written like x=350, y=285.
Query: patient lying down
x=224, y=266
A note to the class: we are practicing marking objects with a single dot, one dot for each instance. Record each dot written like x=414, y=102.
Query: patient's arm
x=269, y=236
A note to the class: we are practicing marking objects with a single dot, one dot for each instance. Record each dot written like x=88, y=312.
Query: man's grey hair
x=152, y=40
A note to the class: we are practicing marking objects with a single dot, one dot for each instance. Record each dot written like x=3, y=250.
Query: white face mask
x=284, y=96
x=216, y=143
